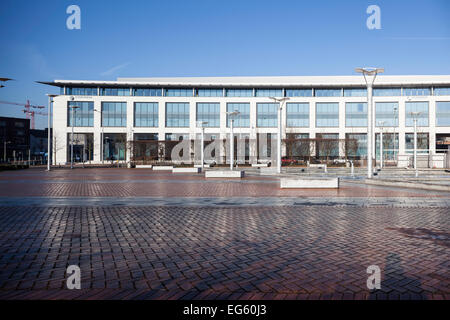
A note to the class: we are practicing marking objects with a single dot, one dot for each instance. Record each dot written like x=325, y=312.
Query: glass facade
x=327, y=145
x=147, y=92
x=84, y=115
x=178, y=92
x=269, y=92
x=146, y=114
x=327, y=114
x=386, y=113
x=209, y=112
x=177, y=114
x=356, y=145
x=422, y=118
x=422, y=142
x=390, y=146
x=442, y=91
x=243, y=119
x=82, y=91
x=387, y=92
x=209, y=93
x=299, y=92
x=115, y=91
x=297, y=114
x=327, y=92
x=114, y=146
x=443, y=114
x=114, y=114
x=417, y=91
x=356, y=114
x=239, y=92
x=355, y=92
x=267, y=115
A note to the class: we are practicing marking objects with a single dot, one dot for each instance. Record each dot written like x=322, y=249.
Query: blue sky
x=213, y=38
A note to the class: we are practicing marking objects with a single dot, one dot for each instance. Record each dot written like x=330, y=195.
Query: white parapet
x=290, y=183
x=186, y=170
x=224, y=174
x=144, y=166
x=162, y=168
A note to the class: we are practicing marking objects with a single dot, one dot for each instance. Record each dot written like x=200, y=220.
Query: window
x=442, y=91
x=147, y=92
x=114, y=146
x=114, y=114
x=267, y=115
x=417, y=91
x=177, y=114
x=443, y=114
x=239, y=92
x=297, y=114
x=82, y=91
x=84, y=114
x=327, y=92
x=115, y=91
x=356, y=144
x=299, y=92
x=178, y=93
x=209, y=112
x=19, y=124
x=387, y=92
x=269, y=92
x=355, y=92
x=356, y=114
x=242, y=120
x=386, y=113
x=422, y=118
x=390, y=146
x=422, y=142
x=327, y=114
x=145, y=114
x=209, y=93
x=61, y=90
x=327, y=145
x=20, y=132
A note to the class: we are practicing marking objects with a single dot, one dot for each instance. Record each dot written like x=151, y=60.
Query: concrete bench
x=260, y=165
x=317, y=165
x=290, y=183
x=162, y=168
x=224, y=174
x=206, y=165
x=144, y=166
x=186, y=170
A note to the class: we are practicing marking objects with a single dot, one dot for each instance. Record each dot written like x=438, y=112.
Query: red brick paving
x=142, y=182
x=224, y=253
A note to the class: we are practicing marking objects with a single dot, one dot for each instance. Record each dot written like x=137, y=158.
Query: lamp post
x=415, y=115
x=395, y=140
x=101, y=138
x=49, y=141
x=71, y=144
x=202, y=145
x=4, y=149
x=232, y=115
x=381, y=124
x=370, y=75
x=280, y=102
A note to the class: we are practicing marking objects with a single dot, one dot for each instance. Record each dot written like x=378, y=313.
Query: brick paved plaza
x=137, y=234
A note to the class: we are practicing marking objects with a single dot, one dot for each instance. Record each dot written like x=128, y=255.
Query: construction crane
x=32, y=114
x=27, y=111
x=4, y=80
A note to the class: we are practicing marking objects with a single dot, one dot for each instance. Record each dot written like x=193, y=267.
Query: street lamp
x=49, y=141
x=202, y=155
x=280, y=102
x=395, y=140
x=71, y=144
x=415, y=115
x=370, y=75
x=381, y=124
x=231, y=115
x=102, y=137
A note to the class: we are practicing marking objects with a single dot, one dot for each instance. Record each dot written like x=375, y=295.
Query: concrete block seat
x=144, y=166
x=186, y=170
x=224, y=174
x=162, y=168
x=310, y=183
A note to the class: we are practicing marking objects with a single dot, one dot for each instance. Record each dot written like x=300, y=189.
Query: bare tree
x=57, y=145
